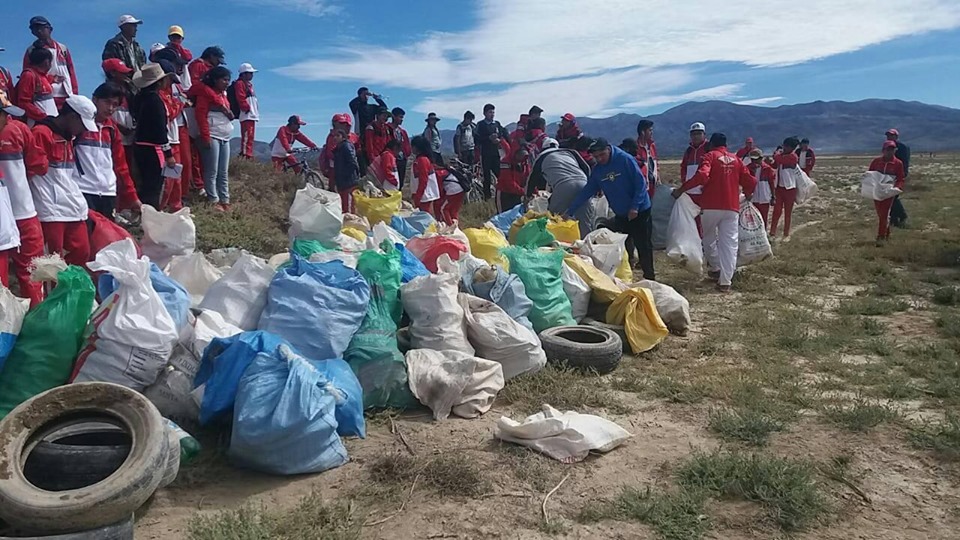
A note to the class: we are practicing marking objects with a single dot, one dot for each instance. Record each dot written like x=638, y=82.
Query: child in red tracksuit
x=785, y=161
x=766, y=178
x=514, y=171
x=347, y=171
x=425, y=187
x=453, y=195
x=887, y=164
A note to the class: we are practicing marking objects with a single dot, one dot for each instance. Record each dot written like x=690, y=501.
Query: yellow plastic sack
x=602, y=287
x=637, y=312
x=377, y=209
x=623, y=272
x=564, y=230
x=356, y=234
x=485, y=243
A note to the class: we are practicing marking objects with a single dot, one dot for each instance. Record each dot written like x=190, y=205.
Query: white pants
x=720, y=240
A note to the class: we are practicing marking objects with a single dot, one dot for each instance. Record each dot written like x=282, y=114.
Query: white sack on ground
x=568, y=437
x=436, y=317
x=348, y=258
x=606, y=248
x=167, y=235
x=315, y=214
x=673, y=308
x=241, y=294
x=195, y=273
x=683, y=240
x=452, y=382
x=877, y=186
x=577, y=291
x=497, y=337
x=753, y=244
x=225, y=258
x=381, y=232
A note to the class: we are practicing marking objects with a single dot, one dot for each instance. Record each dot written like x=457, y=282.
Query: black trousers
x=491, y=166
x=640, y=232
x=898, y=214
x=150, y=162
x=102, y=204
x=506, y=201
x=402, y=170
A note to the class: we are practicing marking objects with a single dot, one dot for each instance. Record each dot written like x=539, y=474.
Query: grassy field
x=820, y=400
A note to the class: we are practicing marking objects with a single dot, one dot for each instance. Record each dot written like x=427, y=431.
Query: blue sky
x=591, y=59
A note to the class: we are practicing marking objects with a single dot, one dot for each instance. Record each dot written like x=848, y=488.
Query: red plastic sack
x=106, y=232
x=429, y=249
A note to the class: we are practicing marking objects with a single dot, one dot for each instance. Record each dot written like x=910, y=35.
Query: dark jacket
x=484, y=130
x=364, y=113
x=459, y=146
x=538, y=181
x=345, y=167
x=117, y=48
x=150, y=116
x=903, y=154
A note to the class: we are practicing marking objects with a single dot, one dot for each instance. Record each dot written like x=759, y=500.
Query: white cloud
x=313, y=8
x=760, y=101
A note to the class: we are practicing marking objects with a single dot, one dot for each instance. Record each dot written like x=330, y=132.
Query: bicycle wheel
x=314, y=179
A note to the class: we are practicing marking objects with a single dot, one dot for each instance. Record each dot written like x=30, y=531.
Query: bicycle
x=302, y=167
x=474, y=173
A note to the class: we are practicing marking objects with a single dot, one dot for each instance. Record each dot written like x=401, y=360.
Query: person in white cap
x=124, y=45
x=692, y=157
x=244, y=100
x=61, y=206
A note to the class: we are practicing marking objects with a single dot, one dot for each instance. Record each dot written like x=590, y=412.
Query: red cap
x=749, y=139
x=889, y=144
x=342, y=118
x=115, y=65
x=892, y=131
x=569, y=117
x=296, y=119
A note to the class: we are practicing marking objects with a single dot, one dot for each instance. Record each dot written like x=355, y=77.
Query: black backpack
x=462, y=179
x=232, y=98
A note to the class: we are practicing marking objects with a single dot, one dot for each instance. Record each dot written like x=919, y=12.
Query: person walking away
x=210, y=58
x=807, y=157
x=514, y=171
x=175, y=39
x=743, y=153
x=722, y=176
x=465, y=140
x=61, y=207
x=785, y=161
x=215, y=124
x=9, y=233
x=489, y=135
x=101, y=163
x=647, y=155
x=887, y=164
x=568, y=132
x=21, y=158
x=249, y=109
x=432, y=134
x=172, y=197
x=766, y=178
x=692, y=157
x=425, y=188
x=451, y=200
x=618, y=175
x=62, y=72
x=400, y=134
x=377, y=134
x=124, y=45
x=119, y=73
x=898, y=214
x=34, y=89
x=564, y=173
x=347, y=171
x=151, y=147
x=282, y=144
x=384, y=167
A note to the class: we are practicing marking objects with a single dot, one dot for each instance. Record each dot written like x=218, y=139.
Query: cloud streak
x=312, y=8
x=760, y=101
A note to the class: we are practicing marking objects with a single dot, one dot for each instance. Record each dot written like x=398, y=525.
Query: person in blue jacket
x=618, y=175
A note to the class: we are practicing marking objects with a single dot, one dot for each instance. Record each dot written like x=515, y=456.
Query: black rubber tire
x=118, y=531
x=582, y=347
x=172, y=467
x=27, y=507
x=77, y=456
x=620, y=331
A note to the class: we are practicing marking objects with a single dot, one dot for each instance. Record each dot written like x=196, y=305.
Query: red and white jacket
x=62, y=66
x=56, y=193
x=35, y=95
x=375, y=139
x=722, y=175
x=247, y=99
x=282, y=144
x=766, y=178
x=786, y=163
x=20, y=158
x=174, y=100
x=9, y=233
x=893, y=167
x=692, y=157
x=212, y=123
x=647, y=155
x=101, y=161
x=384, y=168
x=425, y=186
x=807, y=160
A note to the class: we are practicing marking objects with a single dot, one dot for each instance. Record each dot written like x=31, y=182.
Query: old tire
x=582, y=347
x=76, y=456
x=27, y=507
x=172, y=466
x=118, y=531
x=620, y=331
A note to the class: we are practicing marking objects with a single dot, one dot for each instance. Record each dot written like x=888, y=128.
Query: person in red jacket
x=400, y=134
x=62, y=73
x=647, y=155
x=9, y=234
x=35, y=89
x=514, y=171
x=766, y=178
x=174, y=99
x=690, y=163
x=519, y=133
x=807, y=158
x=376, y=134
x=568, y=131
x=384, y=167
x=744, y=152
x=249, y=109
x=282, y=144
x=341, y=122
x=209, y=59
x=785, y=162
x=890, y=165
x=722, y=176
x=425, y=189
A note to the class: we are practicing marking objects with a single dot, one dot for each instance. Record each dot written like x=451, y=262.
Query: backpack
x=232, y=98
x=462, y=179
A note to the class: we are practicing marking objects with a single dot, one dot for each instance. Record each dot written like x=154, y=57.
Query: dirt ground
x=832, y=372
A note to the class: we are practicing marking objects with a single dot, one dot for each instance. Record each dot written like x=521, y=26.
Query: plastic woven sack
x=683, y=241
x=195, y=273
x=429, y=248
x=377, y=209
x=504, y=221
x=173, y=295
x=603, y=288
x=315, y=214
x=167, y=235
x=540, y=272
x=754, y=246
x=876, y=186
x=577, y=291
x=636, y=311
x=607, y=249
x=50, y=337
x=421, y=221
x=317, y=307
x=410, y=266
x=384, y=269
x=403, y=227
x=241, y=294
x=496, y=336
x=436, y=318
x=505, y=290
x=533, y=234
x=662, y=206
x=563, y=230
x=12, y=311
x=284, y=422
x=381, y=232
x=454, y=382
x=486, y=243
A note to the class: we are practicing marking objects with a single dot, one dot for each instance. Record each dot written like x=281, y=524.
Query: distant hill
x=832, y=126
x=261, y=150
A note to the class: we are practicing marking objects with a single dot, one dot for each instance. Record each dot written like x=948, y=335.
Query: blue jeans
x=216, y=162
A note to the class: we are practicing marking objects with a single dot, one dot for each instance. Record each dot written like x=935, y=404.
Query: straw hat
x=148, y=75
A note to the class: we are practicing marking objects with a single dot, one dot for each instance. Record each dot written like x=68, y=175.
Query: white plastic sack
x=224, y=258
x=806, y=188
x=344, y=242
x=171, y=395
x=195, y=273
x=467, y=264
x=167, y=235
x=877, y=186
x=348, y=258
x=241, y=294
x=131, y=334
x=540, y=202
x=452, y=382
x=683, y=240
x=497, y=337
x=577, y=291
x=12, y=312
x=568, y=437
x=606, y=249
x=436, y=317
x=673, y=308
x=315, y=214
x=381, y=232
x=210, y=325
x=754, y=246
x=357, y=222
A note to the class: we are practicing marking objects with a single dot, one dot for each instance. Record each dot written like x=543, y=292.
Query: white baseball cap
x=86, y=109
x=246, y=68
x=698, y=126
x=157, y=47
x=128, y=19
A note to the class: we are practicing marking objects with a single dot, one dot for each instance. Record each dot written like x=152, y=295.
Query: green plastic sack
x=306, y=248
x=374, y=357
x=534, y=234
x=384, y=269
x=49, y=340
x=540, y=273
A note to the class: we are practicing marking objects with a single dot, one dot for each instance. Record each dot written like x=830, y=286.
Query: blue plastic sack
x=505, y=290
x=410, y=265
x=284, y=421
x=317, y=307
x=173, y=295
x=504, y=220
x=403, y=227
x=420, y=221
